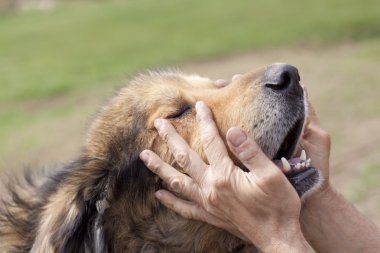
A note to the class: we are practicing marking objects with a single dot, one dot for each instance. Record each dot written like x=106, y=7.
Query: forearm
x=330, y=224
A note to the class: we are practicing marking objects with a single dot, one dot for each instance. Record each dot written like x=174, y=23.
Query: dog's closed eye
x=182, y=111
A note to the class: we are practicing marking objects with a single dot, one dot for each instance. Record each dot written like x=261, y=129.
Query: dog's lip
x=296, y=175
x=289, y=143
x=300, y=179
x=294, y=134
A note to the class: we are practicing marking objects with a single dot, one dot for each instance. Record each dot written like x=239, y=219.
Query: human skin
x=259, y=205
x=329, y=223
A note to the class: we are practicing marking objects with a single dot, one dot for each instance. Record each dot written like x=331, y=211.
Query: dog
x=103, y=201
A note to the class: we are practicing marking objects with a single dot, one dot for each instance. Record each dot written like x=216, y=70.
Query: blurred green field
x=84, y=45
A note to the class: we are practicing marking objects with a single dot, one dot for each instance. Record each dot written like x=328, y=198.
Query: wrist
x=322, y=197
x=286, y=238
x=293, y=242
x=316, y=215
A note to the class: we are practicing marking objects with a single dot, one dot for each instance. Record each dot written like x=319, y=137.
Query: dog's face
x=268, y=103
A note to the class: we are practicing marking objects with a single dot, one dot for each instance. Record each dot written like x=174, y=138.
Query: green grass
x=83, y=45
x=367, y=184
x=86, y=45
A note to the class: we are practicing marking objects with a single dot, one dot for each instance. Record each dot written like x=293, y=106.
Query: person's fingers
x=220, y=83
x=313, y=131
x=236, y=76
x=306, y=92
x=213, y=144
x=186, y=157
x=193, y=211
x=176, y=180
x=247, y=150
x=315, y=140
x=311, y=114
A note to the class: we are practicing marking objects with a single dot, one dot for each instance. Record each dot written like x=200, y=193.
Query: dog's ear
x=135, y=180
x=71, y=218
x=132, y=203
x=77, y=198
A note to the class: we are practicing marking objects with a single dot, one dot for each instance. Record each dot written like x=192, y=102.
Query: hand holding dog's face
x=258, y=205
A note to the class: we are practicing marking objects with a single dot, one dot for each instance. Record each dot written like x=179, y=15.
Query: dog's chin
x=305, y=178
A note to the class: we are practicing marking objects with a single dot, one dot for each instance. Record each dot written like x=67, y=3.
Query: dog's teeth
x=303, y=155
x=285, y=164
x=298, y=166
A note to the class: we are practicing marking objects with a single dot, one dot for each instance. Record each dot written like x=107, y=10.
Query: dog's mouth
x=298, y=170
x=290, y=141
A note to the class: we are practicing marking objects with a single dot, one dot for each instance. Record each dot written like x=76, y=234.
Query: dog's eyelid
x=181, y=112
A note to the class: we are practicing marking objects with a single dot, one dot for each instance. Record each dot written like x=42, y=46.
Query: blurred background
x=61, y=60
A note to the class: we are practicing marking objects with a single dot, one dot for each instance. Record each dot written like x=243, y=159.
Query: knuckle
x=176, y=185
x=326, y=137
x=204, y=117
x=213, y=198
x=171, y=205
x=186, y=213
x=220, y=184
x=155, y=165
x=182, y=159
x=208, y=139
x=216, y=187
x=270, y=179
x=164, y=136
x=249, y=153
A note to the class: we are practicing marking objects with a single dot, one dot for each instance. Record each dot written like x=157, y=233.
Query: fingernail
x=144, y=155
x=175, y=185
x=158, y=123
x=221, y=82
x=236, y=77
x=158, y=194
x=237, y=136
x=200, y=105
x=305, y=91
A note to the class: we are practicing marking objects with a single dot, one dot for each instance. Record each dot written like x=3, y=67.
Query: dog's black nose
x=283, y=78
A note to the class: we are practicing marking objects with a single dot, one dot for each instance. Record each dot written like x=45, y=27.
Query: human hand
x=316, y=142
x=220, y=83
x=259, y=205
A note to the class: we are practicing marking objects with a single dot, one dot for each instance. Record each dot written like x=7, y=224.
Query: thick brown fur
x=103, y=201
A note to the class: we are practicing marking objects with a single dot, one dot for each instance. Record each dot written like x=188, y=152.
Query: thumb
x=247, y=150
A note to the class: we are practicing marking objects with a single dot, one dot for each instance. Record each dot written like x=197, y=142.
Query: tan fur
x=104, y=201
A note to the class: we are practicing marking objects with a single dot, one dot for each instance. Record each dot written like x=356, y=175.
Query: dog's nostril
x=281, y=83
x=282, y=78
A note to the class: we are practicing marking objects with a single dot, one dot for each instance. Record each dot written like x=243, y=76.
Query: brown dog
x=103, y=201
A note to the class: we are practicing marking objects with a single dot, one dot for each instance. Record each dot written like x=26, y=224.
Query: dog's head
x=268, y=103
x=104, y=201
